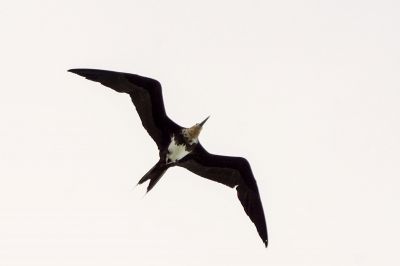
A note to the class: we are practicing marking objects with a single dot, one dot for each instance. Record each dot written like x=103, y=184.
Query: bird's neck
x=191, y=135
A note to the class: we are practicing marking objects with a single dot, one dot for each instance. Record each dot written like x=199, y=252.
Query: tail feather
x=154, y=175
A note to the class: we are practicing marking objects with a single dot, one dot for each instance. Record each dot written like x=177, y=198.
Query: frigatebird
x=180, y=146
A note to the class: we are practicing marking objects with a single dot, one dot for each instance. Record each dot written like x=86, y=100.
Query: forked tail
x=154, y=175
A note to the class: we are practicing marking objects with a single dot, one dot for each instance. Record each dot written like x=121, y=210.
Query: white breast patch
x=175, y=151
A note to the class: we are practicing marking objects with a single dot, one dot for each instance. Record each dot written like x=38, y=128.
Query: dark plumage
x=179, y=146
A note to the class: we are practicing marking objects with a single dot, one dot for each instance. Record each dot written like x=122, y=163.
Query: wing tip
x=77, y=71
x=73, y=70
x=91, y=74
x=266, y=243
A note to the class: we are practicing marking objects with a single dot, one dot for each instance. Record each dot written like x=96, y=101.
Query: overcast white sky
x=308, y=91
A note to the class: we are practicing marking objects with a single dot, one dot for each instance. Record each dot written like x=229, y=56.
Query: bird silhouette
x=180, y=146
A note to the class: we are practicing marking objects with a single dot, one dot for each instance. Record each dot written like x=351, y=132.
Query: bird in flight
x=180, y=146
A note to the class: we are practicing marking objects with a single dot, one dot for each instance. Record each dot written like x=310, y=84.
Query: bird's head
x=194, y=131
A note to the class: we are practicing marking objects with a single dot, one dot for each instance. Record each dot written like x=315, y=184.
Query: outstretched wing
x=146, y=95
x=233, y=172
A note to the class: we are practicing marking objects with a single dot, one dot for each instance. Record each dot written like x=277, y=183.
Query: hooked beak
x=204, y=121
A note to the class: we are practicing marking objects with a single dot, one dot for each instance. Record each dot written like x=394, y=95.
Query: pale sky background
x=307, y=91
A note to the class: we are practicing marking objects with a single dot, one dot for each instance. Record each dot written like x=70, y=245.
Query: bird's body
x=183, y=142
x=180, y=146
x=178, y=149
